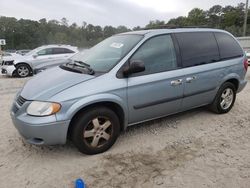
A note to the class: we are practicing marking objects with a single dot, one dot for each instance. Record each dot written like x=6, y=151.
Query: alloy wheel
x=98, y=132
x=23, y=71
x=226, y=98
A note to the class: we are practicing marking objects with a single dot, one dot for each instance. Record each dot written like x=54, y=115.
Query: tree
x=214, y=15
x=154, y=24
x=108, y=31
x=196, y=17
x=137, y=28
x=178, y=22
x=122, y=29
x=25, y=33
x=64, y=22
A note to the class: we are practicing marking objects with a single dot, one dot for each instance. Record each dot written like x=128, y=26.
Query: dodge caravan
x=127, y=79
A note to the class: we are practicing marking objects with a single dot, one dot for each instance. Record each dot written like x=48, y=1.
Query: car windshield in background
x=105, y=55
x=32, y=51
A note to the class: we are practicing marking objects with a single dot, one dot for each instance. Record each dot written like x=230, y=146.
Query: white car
x=8, y=57
x=44, y=56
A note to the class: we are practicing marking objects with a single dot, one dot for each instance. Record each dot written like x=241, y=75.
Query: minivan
x=127, y=79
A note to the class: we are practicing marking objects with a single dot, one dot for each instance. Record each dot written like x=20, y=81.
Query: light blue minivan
x=127, y=79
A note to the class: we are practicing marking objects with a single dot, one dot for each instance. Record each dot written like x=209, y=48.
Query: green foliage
x=28, y=34
x=196, y=17
x=229, y=18
x=21, y=34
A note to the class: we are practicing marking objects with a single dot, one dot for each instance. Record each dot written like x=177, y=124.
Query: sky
x=130, y=13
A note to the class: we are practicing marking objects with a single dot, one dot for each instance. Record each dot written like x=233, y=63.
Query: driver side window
x=158, y=55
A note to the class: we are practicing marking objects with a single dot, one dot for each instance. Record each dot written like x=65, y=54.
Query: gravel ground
x=192, y=149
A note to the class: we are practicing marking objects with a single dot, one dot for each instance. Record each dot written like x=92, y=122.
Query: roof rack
x=175, y=27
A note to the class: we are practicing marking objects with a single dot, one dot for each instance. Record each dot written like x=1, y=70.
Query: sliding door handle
x=190, y=79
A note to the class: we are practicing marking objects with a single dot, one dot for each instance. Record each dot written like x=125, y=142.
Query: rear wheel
x=23, y=70
x=224, y=99
x=95, y=130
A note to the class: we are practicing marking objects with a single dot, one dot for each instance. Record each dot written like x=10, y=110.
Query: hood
x=50, y=82
x=12, y=57
x=19, y=58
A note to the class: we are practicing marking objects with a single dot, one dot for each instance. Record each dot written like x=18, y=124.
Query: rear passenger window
x=228, y=46
x=68, y=51
x=197, y=48
x=158, y=55
x=62, y=51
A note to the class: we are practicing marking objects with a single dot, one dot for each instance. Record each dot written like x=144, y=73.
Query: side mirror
x=35, y=56
x=134, y=67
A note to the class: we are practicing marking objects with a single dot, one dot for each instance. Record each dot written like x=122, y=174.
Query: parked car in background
x=24, y=66
x=248, y=55
x=10, y=51
x=22, y=52
x=56, y=62
x=127, y=79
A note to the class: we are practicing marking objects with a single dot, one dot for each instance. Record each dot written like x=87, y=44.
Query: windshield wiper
x=83, y=65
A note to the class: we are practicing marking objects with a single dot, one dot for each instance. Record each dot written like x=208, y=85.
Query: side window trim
x=218, y=48
x=177, y=51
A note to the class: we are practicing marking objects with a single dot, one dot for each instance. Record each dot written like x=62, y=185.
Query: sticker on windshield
x=116, y=45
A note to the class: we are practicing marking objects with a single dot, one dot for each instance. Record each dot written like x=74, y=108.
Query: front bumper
x=8, y=70
x=40, y=130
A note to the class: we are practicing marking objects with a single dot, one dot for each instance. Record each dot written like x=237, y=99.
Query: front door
x=158, y=90
x=42, y=56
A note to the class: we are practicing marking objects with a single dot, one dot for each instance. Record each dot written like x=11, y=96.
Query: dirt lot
x=192, y=149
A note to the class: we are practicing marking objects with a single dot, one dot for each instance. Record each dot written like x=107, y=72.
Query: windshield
x=105, y=55
x=33, y=51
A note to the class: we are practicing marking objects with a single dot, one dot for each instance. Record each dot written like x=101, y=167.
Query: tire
x=220, y=107
x=91, y=129
x=23, y=70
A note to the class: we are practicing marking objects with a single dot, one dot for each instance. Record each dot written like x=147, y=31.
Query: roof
x=59, y=45
x=178, y=30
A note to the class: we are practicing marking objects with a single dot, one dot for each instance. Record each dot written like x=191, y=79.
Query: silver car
x=127, y=79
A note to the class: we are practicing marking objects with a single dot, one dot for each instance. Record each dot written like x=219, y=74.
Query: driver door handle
x=176, y=82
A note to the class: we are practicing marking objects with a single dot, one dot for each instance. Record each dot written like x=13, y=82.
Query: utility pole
x=245, y=20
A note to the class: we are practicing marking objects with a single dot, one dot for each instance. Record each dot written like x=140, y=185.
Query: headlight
x=38, y=108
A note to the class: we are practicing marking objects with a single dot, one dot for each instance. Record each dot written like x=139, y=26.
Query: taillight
x=246, y=64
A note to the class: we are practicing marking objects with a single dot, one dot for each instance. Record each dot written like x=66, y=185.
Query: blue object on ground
x=79, y=183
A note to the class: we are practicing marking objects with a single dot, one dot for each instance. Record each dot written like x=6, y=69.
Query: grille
x=7, y=63
x=20, y=100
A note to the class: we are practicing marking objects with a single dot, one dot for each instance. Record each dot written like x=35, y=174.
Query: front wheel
x=224, y=99
x=95, y=130
x=23, y=70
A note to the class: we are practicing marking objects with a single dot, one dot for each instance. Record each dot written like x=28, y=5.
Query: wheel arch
x=115, y=106
x=235, y=82
x=232, y=78
x=23, y=63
